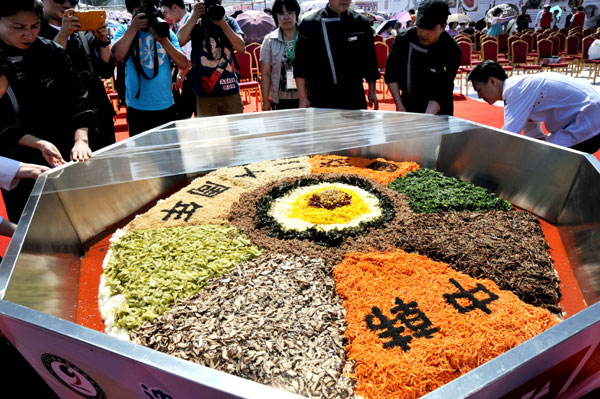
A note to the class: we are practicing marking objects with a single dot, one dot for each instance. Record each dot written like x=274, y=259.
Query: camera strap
x=138, y=65
x=15, y=103
x=86, y=47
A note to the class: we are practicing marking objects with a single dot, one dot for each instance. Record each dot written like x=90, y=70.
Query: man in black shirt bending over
x=422, y=65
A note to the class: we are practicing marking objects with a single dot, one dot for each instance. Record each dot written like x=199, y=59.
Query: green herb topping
x=430, y=191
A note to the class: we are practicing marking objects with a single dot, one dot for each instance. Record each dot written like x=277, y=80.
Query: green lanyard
x=292, y=54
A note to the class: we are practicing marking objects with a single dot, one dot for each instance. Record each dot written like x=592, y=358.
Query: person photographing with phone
x=214, y=38
x=148, y=46
x=89, y=51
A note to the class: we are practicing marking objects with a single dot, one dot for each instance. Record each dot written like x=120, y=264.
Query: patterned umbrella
x=255, y=25
x=460, y=18
x=508, y=10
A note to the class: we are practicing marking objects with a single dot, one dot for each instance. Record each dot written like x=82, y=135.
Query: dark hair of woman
x=290, y=5
x=11, y=7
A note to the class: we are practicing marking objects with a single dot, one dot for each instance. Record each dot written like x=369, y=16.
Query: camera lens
x=161, y=28
x=216, y=12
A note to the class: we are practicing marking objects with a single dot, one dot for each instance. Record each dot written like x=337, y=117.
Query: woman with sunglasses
x=51, y=100
x=277, y=58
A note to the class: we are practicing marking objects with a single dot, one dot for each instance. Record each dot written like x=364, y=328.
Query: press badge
x=290, y=82
x=353, y=38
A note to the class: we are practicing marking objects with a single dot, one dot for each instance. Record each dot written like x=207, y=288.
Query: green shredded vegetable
x=153, y=269
x=430, y=191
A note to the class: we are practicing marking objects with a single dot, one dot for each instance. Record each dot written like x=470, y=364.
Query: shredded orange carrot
x=379, y=169
x=459, y=341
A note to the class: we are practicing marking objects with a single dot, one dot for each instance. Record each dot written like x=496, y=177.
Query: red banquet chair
x=531, y=43
x=466, y=64
x=555, y=45
x=256, y=54
x=502, y=43
x=594, y=65
x=389, y=42
x=572, y=51
x=248, y=85
x=511, y=39
x=545, y=47
x=254, y=49
x=544, y=50
x=489, y=51
x=520, y=61
x=381, y=51
x=561, y=42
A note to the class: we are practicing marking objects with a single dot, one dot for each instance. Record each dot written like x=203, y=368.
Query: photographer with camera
x=89, y=52
x=214, y=37
x=148, y=46
x=183, y=87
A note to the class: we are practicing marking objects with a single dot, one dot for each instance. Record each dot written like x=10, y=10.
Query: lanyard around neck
x=291, y=54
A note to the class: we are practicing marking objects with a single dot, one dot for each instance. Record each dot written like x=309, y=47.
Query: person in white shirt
x=11, y=172
x=569, y=108
x=183, y=89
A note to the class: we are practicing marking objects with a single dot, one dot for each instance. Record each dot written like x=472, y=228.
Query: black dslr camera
x=155, y=19
x=214, y=9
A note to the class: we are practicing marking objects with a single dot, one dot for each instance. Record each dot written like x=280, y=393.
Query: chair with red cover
x=466, y=64
x=531, y=41
x=476, y=41
x=573, y=55
x=381, y=51
x=555, y=45
x=489, y=51
x=247, y=83
x=544, y=50
x=593, y=64
x=561, y=42
x=502, y=43
x=251, y=48
x=511, y=39
x=580, y=37
x=587, y=31
x=378, y=38
x=520, y=61
x=389, y=42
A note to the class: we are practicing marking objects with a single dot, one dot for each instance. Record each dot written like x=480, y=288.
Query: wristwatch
x=103, y=44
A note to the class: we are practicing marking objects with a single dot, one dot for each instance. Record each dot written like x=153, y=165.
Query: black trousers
x=185, y=102
x=344, y=95
x=590, y=146
x=285, y=104
x=140, y=121
x=103, y=134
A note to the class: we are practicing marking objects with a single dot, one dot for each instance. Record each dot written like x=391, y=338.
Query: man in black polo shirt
x=335, y=51
x=422, y=65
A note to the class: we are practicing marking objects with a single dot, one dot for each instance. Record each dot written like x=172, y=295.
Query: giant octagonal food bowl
x=73, y=204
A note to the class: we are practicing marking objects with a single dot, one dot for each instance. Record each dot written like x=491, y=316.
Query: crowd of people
x=54, y=106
